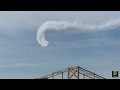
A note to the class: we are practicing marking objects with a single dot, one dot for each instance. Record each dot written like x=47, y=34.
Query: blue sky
x=22, y=57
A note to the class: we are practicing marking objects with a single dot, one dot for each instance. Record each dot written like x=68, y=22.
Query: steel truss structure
x=75, y=72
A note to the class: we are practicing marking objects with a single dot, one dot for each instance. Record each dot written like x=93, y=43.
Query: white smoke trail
x=58, y=26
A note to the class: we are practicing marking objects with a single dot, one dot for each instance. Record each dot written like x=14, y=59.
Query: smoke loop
x=59, y=26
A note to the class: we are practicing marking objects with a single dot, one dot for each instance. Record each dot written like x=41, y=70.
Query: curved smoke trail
x=58, y=26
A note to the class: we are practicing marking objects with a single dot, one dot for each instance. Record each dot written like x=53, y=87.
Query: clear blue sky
x=22, y=57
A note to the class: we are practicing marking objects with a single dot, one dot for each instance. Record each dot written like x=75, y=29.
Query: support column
x=78, y=68
x=68, y=73
x=62, y=75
